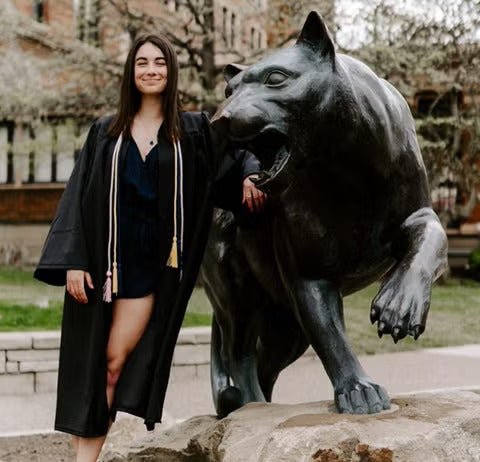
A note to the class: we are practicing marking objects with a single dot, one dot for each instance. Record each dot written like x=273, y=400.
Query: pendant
x=151, y=142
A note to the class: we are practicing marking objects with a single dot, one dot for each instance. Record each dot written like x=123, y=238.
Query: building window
x=224, y=25
x=39, y=10
x=430, y=102
x=87, y=19
x=252, y=38
x=7, y=167
x=233, y=26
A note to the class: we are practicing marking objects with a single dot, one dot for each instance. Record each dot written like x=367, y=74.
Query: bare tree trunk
x=208, y=48
x=81, y=25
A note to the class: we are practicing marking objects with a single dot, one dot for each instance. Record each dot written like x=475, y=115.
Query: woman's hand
x=253, y=197
x=76, y=280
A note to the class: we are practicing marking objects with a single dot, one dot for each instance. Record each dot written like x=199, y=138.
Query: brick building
x=48, y=103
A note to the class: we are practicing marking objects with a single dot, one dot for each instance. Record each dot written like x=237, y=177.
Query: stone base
x=425, y=427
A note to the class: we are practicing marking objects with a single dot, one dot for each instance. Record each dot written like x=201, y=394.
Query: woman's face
x=150, y=70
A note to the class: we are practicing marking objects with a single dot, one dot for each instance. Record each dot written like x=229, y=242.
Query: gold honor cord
x=173, y=257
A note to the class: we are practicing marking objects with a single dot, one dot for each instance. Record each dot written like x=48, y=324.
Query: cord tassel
x=115, y=279
x=173, y=257
x=107, y=288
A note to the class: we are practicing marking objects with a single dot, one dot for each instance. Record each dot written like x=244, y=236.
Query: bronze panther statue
x=349, y=205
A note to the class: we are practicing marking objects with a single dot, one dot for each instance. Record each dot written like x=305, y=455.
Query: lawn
x=26, y=304
x=454, y=317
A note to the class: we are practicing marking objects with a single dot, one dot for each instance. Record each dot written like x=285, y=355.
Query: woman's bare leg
x=75, y=443
x=130, y=317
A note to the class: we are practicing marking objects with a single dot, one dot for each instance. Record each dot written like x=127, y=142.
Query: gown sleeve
x=65, y=246
x=231, y=166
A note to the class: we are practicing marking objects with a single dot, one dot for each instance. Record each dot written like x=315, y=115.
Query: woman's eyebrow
x=161, y=58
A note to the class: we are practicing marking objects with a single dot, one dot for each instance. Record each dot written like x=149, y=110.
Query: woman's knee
x=115, y=365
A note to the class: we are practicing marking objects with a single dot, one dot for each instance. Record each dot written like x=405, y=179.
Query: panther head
x=271, y=106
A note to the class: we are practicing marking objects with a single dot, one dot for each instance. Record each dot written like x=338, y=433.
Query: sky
x=353, y=31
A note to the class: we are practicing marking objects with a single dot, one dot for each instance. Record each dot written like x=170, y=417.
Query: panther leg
x=319, y=310
x=402, y=303
x=282, y=341
x=237, y=300
x=234, y=375
x=226, y=398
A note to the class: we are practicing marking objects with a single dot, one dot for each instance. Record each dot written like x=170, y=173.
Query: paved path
x=304, y=381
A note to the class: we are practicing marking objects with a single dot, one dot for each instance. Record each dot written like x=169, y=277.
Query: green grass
x=29, y=317
x=18, y=313
x=454, y=317
x=16, y=276
x=197, y=319
x=199, y=303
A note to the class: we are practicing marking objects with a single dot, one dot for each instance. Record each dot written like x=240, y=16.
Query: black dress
x=139, y=224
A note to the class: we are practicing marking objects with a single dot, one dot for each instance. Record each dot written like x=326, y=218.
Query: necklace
x=146, y=129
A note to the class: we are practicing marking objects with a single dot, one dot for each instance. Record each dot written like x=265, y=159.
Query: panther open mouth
x=266, y=177
x=271, y=147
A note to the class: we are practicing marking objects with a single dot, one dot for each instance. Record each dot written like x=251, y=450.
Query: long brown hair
x=130, y=97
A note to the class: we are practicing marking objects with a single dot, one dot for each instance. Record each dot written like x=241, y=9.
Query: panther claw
x=417, y=331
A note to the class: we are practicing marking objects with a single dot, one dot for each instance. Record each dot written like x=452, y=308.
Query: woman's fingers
x=76, y=285
x=260, y=201
x=253, y=197
x=88, y=279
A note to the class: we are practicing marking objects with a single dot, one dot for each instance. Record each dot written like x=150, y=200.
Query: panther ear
x=231, y=70
x=315, y=35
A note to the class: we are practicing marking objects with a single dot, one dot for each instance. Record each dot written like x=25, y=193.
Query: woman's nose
x=151, y=69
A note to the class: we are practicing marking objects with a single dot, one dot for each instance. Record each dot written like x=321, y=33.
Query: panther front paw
x=401, y=305
x=361, y=396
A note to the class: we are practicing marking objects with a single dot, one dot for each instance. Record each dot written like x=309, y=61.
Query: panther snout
x=221, y=119
x=255, y=128
x=240, y=122
x=221, y=124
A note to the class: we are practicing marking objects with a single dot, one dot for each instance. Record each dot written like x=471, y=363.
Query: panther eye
x=275, y=78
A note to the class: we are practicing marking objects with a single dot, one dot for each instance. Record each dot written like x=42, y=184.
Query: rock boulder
x=424, y=427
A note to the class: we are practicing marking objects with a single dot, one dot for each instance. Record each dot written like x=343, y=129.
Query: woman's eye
x=275, y=78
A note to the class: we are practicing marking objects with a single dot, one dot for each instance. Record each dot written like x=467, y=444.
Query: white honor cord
x=180, y=163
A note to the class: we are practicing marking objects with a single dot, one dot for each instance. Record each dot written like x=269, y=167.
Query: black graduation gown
x=78, y=240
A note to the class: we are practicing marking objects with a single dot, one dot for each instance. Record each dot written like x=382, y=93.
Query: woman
x=127, y=239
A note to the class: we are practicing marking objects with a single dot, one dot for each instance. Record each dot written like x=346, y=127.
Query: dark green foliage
x=474, y=264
